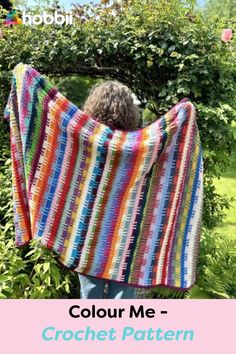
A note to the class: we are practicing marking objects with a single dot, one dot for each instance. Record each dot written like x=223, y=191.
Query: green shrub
x=33, y=273
x=217, y=268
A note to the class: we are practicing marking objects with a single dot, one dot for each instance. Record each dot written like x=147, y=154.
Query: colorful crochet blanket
x=124, y=206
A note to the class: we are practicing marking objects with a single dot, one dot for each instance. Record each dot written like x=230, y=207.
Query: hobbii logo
x=47, y=19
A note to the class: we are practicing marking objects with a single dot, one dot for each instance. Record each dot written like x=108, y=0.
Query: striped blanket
x=122, y=206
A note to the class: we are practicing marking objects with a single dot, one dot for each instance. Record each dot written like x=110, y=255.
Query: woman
x=110, y=103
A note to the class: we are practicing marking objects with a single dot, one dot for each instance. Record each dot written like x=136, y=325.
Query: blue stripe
x=184, y=244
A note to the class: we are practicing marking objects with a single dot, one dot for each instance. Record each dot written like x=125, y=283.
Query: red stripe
x=106, y=196
x=73, y=157
x=172, y=231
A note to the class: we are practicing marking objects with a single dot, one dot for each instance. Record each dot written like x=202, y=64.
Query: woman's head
x=111, y=103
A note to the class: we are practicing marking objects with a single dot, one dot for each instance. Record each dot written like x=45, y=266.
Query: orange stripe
x=49, y=156
x=122, y=205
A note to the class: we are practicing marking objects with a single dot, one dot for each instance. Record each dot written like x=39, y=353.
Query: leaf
x=149, y=63
x=48, y=280
x=2, y=296
x=56, y=275
x=30, y=253
x=181, y=66
x=46, y=267
x=171, y=48
x=67, y=288
x=4, y=278
x=175, y=55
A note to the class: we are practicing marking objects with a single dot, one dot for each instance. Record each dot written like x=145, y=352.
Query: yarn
x=117, y=205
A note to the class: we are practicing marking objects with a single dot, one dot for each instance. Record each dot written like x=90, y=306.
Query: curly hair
x=111, y=103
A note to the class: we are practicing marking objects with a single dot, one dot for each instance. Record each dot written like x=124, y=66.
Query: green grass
x=227, y=185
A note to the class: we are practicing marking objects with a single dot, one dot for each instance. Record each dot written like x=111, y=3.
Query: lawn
x=227, y=185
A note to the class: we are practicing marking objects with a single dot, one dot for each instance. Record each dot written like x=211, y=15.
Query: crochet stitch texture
x=124, y=206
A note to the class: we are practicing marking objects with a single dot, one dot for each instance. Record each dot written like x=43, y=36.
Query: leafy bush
x=33, y=273
x=217, y=268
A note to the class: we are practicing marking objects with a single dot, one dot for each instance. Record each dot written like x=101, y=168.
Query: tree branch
x=94, y=71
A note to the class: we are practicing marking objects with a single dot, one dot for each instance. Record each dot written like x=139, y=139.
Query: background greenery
x=227, y=185
x=164, y=51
